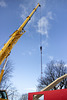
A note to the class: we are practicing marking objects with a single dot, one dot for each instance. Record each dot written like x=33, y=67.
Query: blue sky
x=50, y=21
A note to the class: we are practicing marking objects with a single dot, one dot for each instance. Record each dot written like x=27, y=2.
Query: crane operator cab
x=3, y=95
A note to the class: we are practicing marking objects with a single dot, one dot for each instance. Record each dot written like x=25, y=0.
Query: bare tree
x=13, y=94
x=53, y=70
x=24, y=97
x=5, y=83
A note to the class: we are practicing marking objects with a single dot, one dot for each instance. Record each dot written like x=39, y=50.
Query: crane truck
x=5, y=51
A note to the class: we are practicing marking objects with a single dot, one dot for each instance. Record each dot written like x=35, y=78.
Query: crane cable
x=41, y=44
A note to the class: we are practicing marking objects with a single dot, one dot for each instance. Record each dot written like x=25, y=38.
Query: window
x=41, y=98
x=3, y=95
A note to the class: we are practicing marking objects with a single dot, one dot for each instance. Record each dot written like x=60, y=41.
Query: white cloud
x=27, y=90
x=29, y=52
x=30, y=89
x=51, y=57
x=45, y=43
x=3, y=3
x=24, y=12
x=65, y=65
x=49, y=15
x=44, y=25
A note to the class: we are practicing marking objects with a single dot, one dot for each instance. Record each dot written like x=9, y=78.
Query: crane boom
x=5, y=51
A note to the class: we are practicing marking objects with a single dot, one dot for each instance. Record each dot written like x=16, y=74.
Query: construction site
x=33, y=60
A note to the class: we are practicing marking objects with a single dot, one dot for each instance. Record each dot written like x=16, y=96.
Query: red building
x=50, y=95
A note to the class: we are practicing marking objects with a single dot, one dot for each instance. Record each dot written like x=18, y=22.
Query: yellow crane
x=5, y=51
